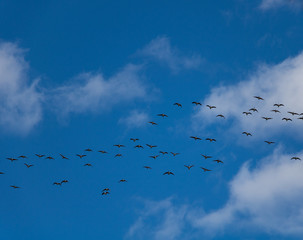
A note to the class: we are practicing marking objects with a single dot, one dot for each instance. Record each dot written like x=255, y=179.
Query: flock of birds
x=106, y=190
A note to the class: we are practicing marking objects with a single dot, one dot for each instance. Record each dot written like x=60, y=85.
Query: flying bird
x=278, y=105
x=269, y=142
x=12, y=159
x=267, y=118
x=49, y=157
x=247, y=133
x=174, y=154
x=28, y=165
x=218, y=161
x=105, y=193
x=139, y=146
x=101, y=151
x=122, y=180
x=39, y=155
x=153, y=123
x=211, y=139
x=168, y=173
x=197, y=103
x=154, y=157
x=259, y=98
x=301, y=118
x=162, y=115
x=119, y=145
x=147, y=167
x=88, y=150
x=81, y=156
x=151, y=146
x=210, y=107
x=286, y=119
x=275, y=111
x=196, y=138
x=105, y=190
x=134, y=139
x=14, y=186
x=220, y=115
x=22, y=156
x=247, y=113
x=63, y=157
x=253, y=109
x=295, y=158
x=118, y=155
x=205, y=156
x=205, y=169
x=163, y=152
x=88, y=164
x=57, y=183
x=188, y=166
x=178, y=104
x=293, y=113
x=64, y=181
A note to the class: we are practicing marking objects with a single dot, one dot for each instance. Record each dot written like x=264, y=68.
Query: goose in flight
x=293, y=113
x=253, y=109
x=138, y=146
x=118, y=155
x=14, y=186
x=197, y=103
x=178, y=104
x=278, y=105
x=162, y=115
x=39, y=155
x=218, y=161
x=119, y=145
x=205, y=169
x=220, y=115
x=301, y=118
x=63, y=157
x=22, y=156
x=168, y=173
x=247, y=133
x=247, y=113
x=205, y=156
x=134, y=139
x=105, y=190
x=12, y=159
x=196, y=138
x=286, y=119
x=295, y=158
x=188, y=166
x=258, y=97
x=105, y=193
x=122, y=180
x=210, y=107
x=49, y=157
x=163, y=152
x=57, y=183
x=88, y=150
x=275, y=111
x=147, y=167
x=81, y=156
x=88, y=165
x=28, y=165
x=269, y=142
x=267, y=118
x=101, y=151
x=211, y=139
x=174, y=154
x=64, y=181
x=151, y=146
x=153, y=123
x=154, y=157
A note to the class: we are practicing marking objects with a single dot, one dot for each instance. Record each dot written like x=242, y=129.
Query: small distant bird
x=275, y=111
x=247, y=133
x=134, y=139
x=147, y=167
x=188, y=166
x=49, y=157
x=253, y=109
x=259, y=98
x=28, y=165
x=301, y=118
x=57, y=183
x=154, y=157
x=178, y=104
x=196, y=138
x=105, y=190
x=119, y=145
x=163, y=152
x=168, y=173
x=211, y=139
x=162, y=115
x=39, y=155
x=295, y=158
x=12, y=159
x=22, y=156
x=205, y=156
x=122, y=180
x=139, y=146
x=278, y=105
x=14, y=186
x=64, y=181
x=81, y=156
x=218, y=161
x=63, y=157
x=118, y=155
x=151, y=146
x=197, y=103
x=269, y=142
x=293, y=113
x=246, y=113
x=88, y=150
x=210, y=107
x=1, y=172
x=174, y=154
x=88, y=164
x=101, y=151
x=220, y=115
x=153, y=123
x=286, y=119
x=205, y=169
x=105, y=193
x=267, y=118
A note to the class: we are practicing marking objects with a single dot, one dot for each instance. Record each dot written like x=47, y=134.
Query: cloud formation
x=160, y=49
x=93, y=93
x=20, y=101
x=271, y=4
x=135, y=119
x=281, y=83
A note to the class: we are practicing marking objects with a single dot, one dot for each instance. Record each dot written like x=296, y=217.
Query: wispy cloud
x=93, y=93
x=271, y=4
x=160, y=49
x=281, y=83
x=20, y=101
x=135, y=119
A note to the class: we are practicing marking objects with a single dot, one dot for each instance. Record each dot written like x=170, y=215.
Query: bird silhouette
x=269, y=142
x=168, y=173
x=197, y=103
x=49, y=157
x=28, y=165
x=151, y=146
x=259, y=98
x=163, y=152
x=253, y=109
x=247, y=133
x=118, y=155
x=122, y=180
x=134, y=139
x=105, y=190
x=275, y=111
x=139, y=146
x=22, y=156
x=119, y=145
x=12, y=159
x=267, y=118
x=88, y=150
x=64, y=181
x=286, y=119
x=88, y=165
x=210, y=107
x=220, y=115
x=188, y=166
x=205, y=156
x=178, y=104
x=211, y=139
x=102, y=151
x=154, y=157
x=162, y=115
x=147, y=167
x=40, y=155
x=81, y=156
x=295, y=158
x=63, y=157
x=196, y=138
x=247, y=113
x=153, y=123
x=205, y=169
x=293, y=113
x=218, y=161
x=105, y=193
x=174, y=154
x=278, y=105
x=14, y=186
x=301, y=118
x=57, y=183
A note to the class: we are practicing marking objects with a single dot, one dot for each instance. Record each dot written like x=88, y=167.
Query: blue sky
x=91, y=74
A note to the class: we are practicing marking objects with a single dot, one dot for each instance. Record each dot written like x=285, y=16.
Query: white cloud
x=92, y=93
x=281, y=83
x=135, y=119
x=20, y=102
x=270, y=4
x=265, y=198
x=161, y=50
x=170, y=221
